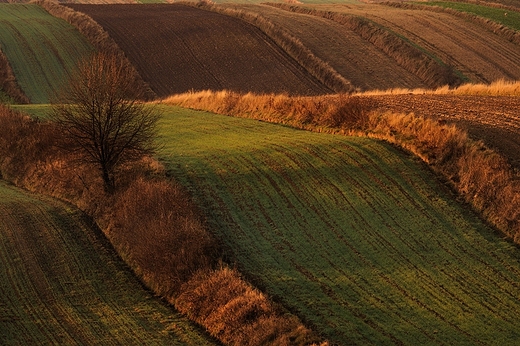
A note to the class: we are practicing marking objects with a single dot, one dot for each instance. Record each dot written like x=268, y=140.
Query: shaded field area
x=179, y=48
x=352, y=235
x=477, y=53
x=41, y=49
x=61, y=283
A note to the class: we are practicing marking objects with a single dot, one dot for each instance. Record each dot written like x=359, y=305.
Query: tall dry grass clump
x=8, y=82
x=155, y=227
x=318, y=68
x=497, y=88
x=253, y=319
x=482, y=177
x=340, y=112
x=96, y=35
x=429, y=69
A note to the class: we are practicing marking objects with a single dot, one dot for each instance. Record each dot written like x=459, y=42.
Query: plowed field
x=360, y=62
x=479, y=54
x=495, y=120
x=178, y=48
x=62, y=284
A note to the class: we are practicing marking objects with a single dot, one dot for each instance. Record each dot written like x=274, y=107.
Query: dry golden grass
x=237, y=313
x=497, y=88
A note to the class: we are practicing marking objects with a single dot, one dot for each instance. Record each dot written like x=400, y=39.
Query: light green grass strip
x=357, y=238
x=508, y=18
x=42, y=49
x=62, y=284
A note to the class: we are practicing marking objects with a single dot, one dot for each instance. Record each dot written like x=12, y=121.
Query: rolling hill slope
x=479, y=54
x=178, y=48
x=349, y=233
x=41, y=49
x=61, y=283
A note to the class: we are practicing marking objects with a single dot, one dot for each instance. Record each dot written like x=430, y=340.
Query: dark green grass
x=42, y=49
x=357, y=238
x=508, y=18
x=62, y=284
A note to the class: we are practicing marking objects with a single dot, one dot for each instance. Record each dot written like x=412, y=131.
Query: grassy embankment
x=62, y=283
x=353, y=235
x=50, y=46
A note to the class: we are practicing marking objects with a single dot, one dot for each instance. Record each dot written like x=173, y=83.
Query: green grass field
x=508, y=18
x=41, y=49
x=62, y=284
x=356, y=237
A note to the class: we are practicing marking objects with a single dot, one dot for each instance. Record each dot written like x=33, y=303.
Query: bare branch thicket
x=101, y=117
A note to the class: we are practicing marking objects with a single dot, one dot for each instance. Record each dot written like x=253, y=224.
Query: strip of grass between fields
x=508, y=18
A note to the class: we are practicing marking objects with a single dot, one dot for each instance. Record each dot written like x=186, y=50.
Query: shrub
x=156, y=225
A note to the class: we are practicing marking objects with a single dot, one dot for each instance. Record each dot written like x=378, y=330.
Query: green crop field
x=353, y=235
x=62, y=284
x=41, y=49
x=505, y=17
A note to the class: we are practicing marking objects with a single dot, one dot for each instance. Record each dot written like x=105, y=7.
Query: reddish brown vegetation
x=8, y=82
x=179, y=48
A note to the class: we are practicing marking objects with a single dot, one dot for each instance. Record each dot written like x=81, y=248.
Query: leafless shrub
x=156, y=224
x=8, y=81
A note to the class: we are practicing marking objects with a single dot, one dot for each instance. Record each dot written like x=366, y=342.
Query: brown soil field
x=178, y=48
x=360, y=62
x=480, y=55
x=493, y=119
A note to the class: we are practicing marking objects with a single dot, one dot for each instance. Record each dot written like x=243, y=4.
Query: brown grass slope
x=178, y=48
x=470, y=48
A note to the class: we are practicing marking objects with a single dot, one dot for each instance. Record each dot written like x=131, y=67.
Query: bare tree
x=102, y=117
